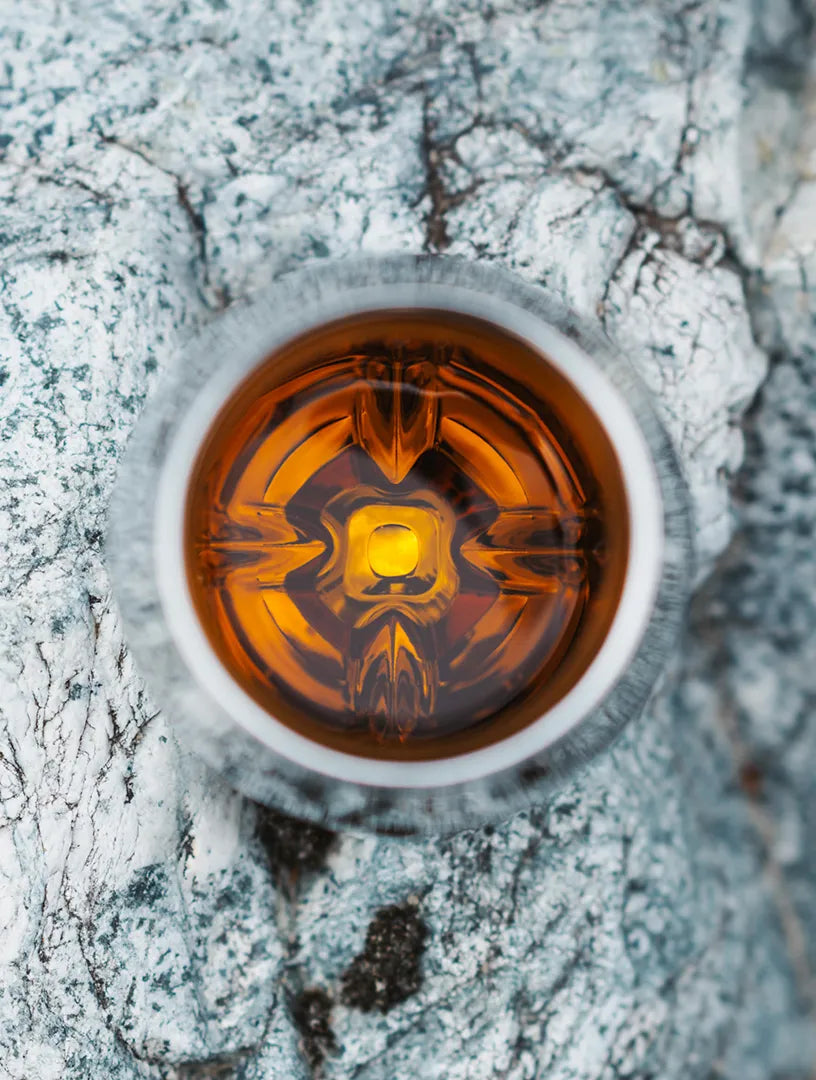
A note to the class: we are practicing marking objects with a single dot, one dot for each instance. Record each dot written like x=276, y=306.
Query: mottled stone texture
x=651, y=162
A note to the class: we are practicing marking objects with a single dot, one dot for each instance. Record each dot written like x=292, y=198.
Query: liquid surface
x=393, y=533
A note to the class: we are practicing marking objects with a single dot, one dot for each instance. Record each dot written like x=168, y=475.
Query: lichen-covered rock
x=156, y=162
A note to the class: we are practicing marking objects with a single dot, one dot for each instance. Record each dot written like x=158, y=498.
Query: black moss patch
x=294, y=847
x=311, y=1012
x=387, y=971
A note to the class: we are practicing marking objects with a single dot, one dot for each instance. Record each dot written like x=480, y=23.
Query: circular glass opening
x=406, y=534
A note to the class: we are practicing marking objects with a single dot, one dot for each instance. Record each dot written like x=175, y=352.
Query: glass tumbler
x=400, y=544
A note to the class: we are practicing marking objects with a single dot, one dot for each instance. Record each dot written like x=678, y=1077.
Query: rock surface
x=651, y=164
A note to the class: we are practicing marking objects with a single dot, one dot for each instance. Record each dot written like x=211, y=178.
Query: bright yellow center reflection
x=393, y=551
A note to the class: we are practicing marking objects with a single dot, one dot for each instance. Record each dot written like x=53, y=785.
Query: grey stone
x=656, y=917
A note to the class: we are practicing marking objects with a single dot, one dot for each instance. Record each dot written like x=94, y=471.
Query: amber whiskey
x=406, y=534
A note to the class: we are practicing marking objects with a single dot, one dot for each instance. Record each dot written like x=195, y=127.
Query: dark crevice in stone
x=751, y=779
x=197, y=223
x=433, y=153
x=195, y=217
x=311, y=1013
x=436, y=229
x=297, y=849
x=294, y=848
x=388, y=970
